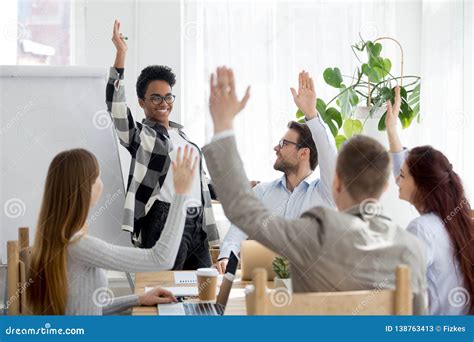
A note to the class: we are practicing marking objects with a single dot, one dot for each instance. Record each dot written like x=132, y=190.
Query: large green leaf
x=299, y=114
x=386, y=93
x=403, y=93
x=373, y=50
x=353, y=97
x=333, y=77
x=347, y=100
x=326, y=116
x=340, y=140
x=332, y=126
x=334, y=115
x=374, y=74
x=352, y=127
x=414, y=97
x=414, y=101
x=381, y=126
x=320, y=106
x=383, y=67
x=406, y=115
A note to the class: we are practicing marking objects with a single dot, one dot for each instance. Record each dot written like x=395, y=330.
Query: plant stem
x=395, y=78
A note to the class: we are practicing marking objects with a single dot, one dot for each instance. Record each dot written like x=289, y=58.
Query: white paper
x=190, y=278
x=174, y=309
x=185, y=278
x=179, y=291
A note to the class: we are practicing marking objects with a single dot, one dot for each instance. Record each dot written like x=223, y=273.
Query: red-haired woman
x=426, y=179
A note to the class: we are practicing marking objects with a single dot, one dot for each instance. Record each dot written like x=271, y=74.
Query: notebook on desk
x=206, y=309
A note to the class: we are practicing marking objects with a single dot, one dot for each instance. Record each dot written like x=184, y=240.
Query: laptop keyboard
x=203, y=309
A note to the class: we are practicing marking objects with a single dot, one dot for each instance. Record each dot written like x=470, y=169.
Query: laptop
x=206, y=309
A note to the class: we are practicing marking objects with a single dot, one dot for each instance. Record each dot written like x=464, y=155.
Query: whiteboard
x=43, y=111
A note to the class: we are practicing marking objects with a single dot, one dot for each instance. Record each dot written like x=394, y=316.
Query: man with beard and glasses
x=298, y=153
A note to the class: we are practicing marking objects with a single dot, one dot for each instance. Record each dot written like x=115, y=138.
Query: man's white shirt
x=311, y=191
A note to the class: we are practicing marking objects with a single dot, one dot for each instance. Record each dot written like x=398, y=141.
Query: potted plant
x=281, y=267
x=360, y=104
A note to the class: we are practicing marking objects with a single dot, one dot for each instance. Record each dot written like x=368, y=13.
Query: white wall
x=153, y=29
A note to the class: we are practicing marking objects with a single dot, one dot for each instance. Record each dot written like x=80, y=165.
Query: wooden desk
x=235, y=305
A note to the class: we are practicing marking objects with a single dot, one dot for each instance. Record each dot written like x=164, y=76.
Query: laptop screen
x=227, y=280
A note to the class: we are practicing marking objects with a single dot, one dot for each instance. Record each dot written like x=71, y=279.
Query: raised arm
x=120, y=46
x=397, y=151
x=115, y=99
x=97, y=253
x=305, y=99
x=240, y=204
x=391, y=123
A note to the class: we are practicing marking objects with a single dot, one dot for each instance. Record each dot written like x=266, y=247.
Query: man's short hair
x=305, y=139
x=363, y=165
x=154, y=73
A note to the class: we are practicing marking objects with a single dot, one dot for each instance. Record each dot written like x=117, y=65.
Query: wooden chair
x=18, y=264
x=254, y=255
x=262, y=301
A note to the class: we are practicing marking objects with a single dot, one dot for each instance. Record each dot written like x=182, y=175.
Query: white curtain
x=447, y=93
x=268, y=42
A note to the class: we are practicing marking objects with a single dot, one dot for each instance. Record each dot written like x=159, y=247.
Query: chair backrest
x=263, y=301
x=18, y=265
x=254, y=255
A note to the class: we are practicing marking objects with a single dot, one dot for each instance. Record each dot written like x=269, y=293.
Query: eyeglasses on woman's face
x=158, y=99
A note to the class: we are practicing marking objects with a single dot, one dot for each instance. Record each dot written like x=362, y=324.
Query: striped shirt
x=149, y=145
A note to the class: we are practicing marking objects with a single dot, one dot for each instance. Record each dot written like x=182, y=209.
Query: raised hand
x=305, y=98
x=393, y=110
x=223, y=102
x=391, y=122
x=183, y=170
x=120, y=45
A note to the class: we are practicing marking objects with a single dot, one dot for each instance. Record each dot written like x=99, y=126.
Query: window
x=36, y=33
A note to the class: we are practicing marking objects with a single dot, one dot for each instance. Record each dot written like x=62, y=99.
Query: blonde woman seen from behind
x=68, y=265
